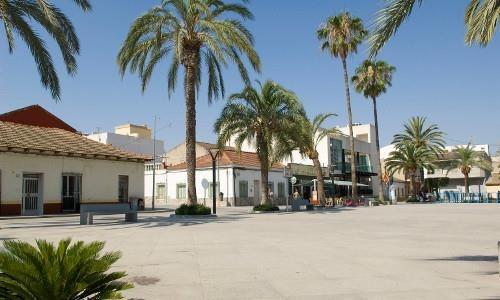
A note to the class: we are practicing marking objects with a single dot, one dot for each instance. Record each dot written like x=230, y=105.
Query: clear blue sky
x=455, y=86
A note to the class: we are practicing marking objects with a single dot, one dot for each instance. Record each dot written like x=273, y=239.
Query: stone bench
x=297, y=204
x=87, y=211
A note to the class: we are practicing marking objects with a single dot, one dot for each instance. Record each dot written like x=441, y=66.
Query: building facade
x=47, y=170
x=238, y=179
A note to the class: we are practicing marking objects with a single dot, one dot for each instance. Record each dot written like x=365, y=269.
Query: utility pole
x=154, y=164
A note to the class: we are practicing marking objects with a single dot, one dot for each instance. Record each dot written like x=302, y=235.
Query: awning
x=344, y=183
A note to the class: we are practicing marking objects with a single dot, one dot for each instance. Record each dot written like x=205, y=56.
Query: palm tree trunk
x=379, y=163
x=466, y=183
x=264, y=169
x=321, y=182
x=412, y=186
x=351, y=135
x=190, y=97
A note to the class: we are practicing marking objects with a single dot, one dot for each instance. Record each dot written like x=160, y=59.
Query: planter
x=174, y=216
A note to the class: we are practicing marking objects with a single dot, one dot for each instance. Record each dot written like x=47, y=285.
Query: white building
x=46, y=170
x=238, y=178
x=130, y=138
x=334, y=155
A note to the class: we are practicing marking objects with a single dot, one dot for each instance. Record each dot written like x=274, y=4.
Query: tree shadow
x=473, y=258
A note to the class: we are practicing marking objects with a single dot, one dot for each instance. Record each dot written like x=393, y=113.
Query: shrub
x=64, y=271
x=194, y=210
x=265, y=207
x=412, y=200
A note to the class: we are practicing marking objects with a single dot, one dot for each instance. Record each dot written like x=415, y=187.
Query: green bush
x=193, y=210
x=64, y=271
x=265, y=207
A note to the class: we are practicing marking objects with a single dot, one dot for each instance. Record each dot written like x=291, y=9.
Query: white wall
x=99, y=177
x=129, y=143
x=160, y=177
x=226, y=181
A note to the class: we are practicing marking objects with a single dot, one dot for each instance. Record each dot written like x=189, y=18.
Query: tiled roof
x=53, y=141
x=35, y=115
x=227, y=158
x=494, y=180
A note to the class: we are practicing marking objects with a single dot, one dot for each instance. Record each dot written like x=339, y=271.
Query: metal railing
x=457, y=197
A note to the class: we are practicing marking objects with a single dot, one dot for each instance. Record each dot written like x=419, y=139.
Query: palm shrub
x=311, y=133
x=409, y=158
x=67, y=271
x=481, y=18
x=340, y=36
x=202, y=36
x=268, y=117
x=465, y=158
x=372, y=79
x=17, y=15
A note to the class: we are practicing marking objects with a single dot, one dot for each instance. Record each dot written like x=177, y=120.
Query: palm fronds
x=481, y=19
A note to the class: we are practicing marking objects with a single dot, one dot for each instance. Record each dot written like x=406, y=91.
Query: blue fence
x=456, y=197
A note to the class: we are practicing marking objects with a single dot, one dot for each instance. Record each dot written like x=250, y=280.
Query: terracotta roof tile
x=33, y=138
x=228, y=158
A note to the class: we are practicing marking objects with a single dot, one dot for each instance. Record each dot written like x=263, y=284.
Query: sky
x=453, y=85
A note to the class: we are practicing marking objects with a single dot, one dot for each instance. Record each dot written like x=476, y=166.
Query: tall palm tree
x=193, y=33
x=16, y=16
x=465, y=158
x=481, y=17
x=372, y=79
x=64, y=271
x=410, y=158
x=268, y=117
x=311, y=135
x=341, y=35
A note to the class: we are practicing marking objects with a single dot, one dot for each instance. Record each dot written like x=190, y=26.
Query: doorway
x=71, y=192
x=32, y=203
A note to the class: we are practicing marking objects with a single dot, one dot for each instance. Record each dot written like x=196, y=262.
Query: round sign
x=293, y=180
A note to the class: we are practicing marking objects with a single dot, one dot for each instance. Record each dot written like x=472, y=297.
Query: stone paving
x=438, y=251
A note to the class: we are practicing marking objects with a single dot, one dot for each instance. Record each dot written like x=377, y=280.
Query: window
x=160, y=191
x=243, y=189
x=211, y=187
x=180, y=192
x=281, y=190
x=123, y=188
x=336, y=153
x=270, y=184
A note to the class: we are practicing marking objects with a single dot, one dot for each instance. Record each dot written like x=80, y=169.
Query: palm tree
x=269, y=117
x=465, y=158
x=417, y=133
x=372, y=79
x=66, y=271
x=16, y=16
x=311, y=135
x=193, y=33
x=341, y=36
x=410, y=158
x=481, y=18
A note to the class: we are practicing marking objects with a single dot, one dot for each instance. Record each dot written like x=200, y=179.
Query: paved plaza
x=439, y=251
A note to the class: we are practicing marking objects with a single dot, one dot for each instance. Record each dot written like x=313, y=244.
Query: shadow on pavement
x=484, y=258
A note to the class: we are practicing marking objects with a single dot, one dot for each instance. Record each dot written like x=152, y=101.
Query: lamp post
x=214, y=152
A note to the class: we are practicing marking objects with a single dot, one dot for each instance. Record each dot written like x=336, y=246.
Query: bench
x=298, y=203
x=87, y=211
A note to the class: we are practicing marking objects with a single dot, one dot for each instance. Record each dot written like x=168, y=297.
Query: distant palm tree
x=409, y=158
x=372, y=79
x=194, y=33
x=68, y=270
x=16, y=16
x=481, y=18
x=466, y=158
x=311, y=134
x=340, y=36
x=268, y=117
x=417, y=133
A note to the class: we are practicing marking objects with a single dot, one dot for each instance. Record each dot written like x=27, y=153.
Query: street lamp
x=214, y=152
